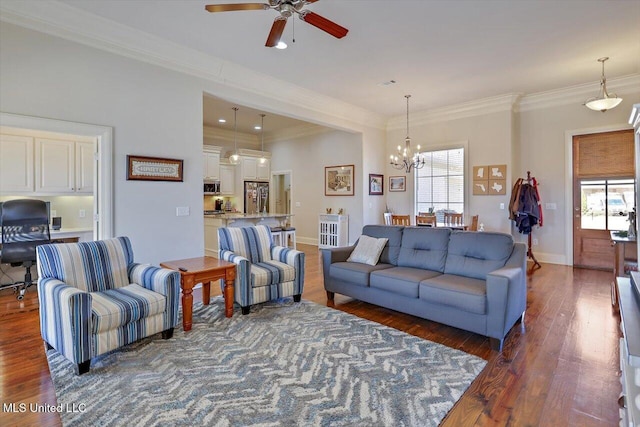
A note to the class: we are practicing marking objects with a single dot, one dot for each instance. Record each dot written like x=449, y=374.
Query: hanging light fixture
x=234, y=158
x=603, y=101
x=405, y=158
x=262, y=158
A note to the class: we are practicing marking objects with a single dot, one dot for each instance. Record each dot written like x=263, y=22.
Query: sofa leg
x=245, y=310
x=168, y=334
x=297, y=298
x=330, y=295
x=496, y=344
x=47, y=346
x=83, y=367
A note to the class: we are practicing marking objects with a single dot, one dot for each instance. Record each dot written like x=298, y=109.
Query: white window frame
x=448, y=146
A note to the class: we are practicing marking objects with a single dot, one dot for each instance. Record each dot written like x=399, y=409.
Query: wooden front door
x=603, y=194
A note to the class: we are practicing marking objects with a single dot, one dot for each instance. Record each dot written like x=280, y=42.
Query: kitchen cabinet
x=227, y=179
x=254, y=170
x=63, y=166
x=263, y=170
x=16, y=164
x=211, y=164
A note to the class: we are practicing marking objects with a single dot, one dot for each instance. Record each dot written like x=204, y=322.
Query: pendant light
x=405, y=158
x=262, y=158
x=234, y=158
x=603, y=101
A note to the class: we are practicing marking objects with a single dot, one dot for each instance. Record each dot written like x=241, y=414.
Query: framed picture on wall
x=143, y=168
x=339, y=180
x=397, y=183
x=376, y=184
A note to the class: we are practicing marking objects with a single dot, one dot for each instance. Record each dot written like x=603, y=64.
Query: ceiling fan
x=286, y=8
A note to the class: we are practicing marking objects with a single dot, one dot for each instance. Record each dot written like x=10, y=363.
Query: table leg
x=187, y=302
x=206, y=292
x=230, y=276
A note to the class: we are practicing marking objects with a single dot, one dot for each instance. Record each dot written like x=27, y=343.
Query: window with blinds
x=440, y=183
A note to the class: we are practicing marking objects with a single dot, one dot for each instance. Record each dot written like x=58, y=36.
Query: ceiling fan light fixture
x=604, y=101
x=281, y=45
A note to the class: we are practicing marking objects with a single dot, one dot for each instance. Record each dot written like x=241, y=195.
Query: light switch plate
x=550, y=206
x=182, y=211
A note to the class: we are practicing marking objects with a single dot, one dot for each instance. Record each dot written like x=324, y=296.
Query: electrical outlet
x=182, y=211
x=298, y=204
x=534, y=241
x=82, y=213
x=550, y=206
x=54, y=212
x=501, y=205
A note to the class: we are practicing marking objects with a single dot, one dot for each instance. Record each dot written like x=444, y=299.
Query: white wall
x=306, y=157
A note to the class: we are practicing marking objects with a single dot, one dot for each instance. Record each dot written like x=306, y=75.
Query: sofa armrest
x=333, y=255
x=293, y=258
x=65, y=318
x=506, y=299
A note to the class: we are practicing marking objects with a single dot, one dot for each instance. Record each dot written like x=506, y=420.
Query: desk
x=203, y=270
x=624, y=248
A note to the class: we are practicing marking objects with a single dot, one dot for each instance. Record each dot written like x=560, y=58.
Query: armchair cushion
x=271, y=273
x=117, y=307
x=253, y=243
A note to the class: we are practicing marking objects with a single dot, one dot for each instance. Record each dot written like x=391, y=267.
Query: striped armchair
x=263, y=271
x=94, y=298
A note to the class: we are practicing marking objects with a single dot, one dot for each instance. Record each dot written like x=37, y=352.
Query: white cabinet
x=16, y=164
x=227, y=179
x=63, y=166
x=211, y=165
x=629, y=350
x=263, y=170
x=254, y=170
x=333, y=231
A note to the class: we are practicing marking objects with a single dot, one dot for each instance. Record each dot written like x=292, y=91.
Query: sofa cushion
x=368, y=250
x=253, y=243
x=271, y=273
x=424, y=247
x=117, y=307
x=354, y=272
x=400, y=280
x=391, y=250
x=463, y=293
x=475, y=254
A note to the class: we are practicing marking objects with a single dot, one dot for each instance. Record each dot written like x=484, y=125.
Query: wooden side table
x=203, y=270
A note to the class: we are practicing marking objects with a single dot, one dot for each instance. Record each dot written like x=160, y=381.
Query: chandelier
x=405, y=158
x=603, y=101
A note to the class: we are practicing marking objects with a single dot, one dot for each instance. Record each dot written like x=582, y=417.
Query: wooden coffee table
x=202, y=270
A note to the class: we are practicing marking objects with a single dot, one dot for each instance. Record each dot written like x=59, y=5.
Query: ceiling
x=441, y=52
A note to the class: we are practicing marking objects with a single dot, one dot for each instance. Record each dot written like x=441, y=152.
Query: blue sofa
x=470, y=280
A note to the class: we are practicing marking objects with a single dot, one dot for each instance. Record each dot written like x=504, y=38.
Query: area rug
x=285, y=364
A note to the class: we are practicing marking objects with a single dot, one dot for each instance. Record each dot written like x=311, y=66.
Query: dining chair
x=387, y=218
x=429, y=220
x=474, y=223
x=452, y=219
x=400, y=220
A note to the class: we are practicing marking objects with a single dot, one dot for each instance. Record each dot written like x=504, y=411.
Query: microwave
x=212, y=188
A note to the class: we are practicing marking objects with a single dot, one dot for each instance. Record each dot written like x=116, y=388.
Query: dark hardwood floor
x=561, y=370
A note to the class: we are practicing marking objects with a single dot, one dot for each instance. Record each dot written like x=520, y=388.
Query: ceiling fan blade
x=276, y=31
x=324, y=24
x=236, y=6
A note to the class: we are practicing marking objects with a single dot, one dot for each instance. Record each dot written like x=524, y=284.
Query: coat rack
x=515, y=211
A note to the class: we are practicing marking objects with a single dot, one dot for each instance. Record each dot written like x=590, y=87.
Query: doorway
x=603, y=194
x=281, y=188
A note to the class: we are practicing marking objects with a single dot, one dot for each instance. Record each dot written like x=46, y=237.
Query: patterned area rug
x=285, y=364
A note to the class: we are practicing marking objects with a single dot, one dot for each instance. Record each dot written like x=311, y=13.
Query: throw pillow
x=368, y=250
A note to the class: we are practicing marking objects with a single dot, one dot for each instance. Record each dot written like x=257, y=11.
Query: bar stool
x=276, y=235
x=289, y=232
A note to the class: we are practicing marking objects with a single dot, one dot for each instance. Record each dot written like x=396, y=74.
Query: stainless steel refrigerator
x=256, y=197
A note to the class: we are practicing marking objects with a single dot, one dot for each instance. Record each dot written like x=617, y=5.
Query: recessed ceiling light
x=281, y=45
x=257, y=127
x=222, y=121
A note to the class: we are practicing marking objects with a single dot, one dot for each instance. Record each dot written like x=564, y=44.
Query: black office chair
x=25, y=225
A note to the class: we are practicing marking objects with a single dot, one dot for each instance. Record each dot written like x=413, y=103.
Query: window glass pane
x=456, y=187
x=440, y=183
x=456, y=162
x=440, y=189
x=440, y=164
x=592, y=205
x=605, y=204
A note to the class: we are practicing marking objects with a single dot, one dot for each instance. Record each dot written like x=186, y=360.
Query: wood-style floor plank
x=560, y=368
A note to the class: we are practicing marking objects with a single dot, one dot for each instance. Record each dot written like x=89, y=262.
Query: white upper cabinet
x=263, y=170
x=211, y=163
x=227, y=179
x=16, y=164
x=249, y=168
x=64, y=166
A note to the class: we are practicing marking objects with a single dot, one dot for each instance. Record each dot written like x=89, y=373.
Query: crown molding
x=296, y=132
x=459, y=111
x=627, y=85
x=61, y=20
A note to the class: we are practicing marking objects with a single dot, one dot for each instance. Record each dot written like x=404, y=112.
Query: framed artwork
x=397, y=183
x=141, y=168
x=376, y=184
x=490, y=180
x=339, y=180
